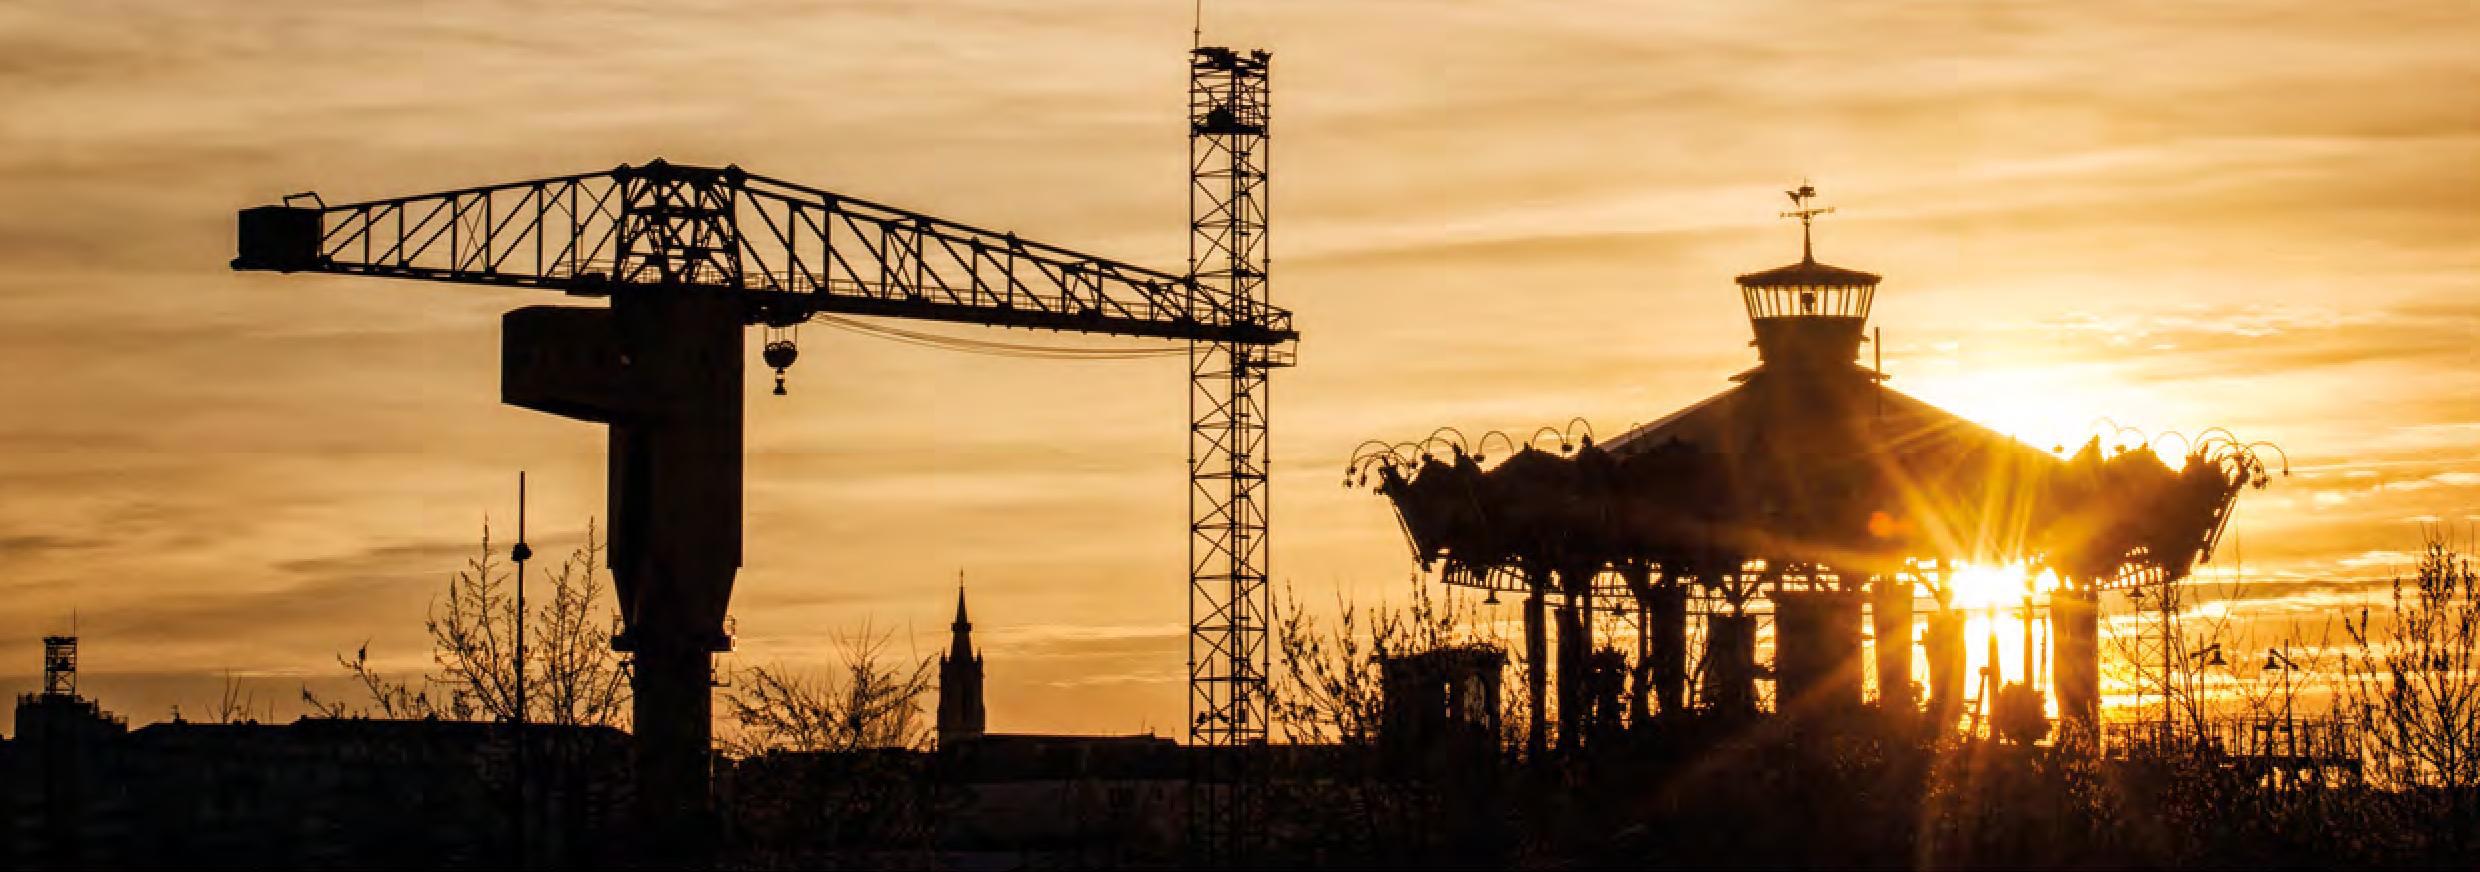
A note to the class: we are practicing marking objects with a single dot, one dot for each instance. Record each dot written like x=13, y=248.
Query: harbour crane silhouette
x=688, y=258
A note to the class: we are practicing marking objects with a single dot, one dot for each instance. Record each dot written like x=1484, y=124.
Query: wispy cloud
x=1487, y=215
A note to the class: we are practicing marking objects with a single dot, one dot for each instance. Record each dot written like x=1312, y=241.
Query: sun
x=2043, y=403
x=1980, y=587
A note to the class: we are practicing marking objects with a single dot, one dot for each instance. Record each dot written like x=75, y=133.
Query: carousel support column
x=1816, y=652
x=1536, y=664
x=1731, y=654
x=1890, y=612
x=1640, y=586
x=2075, y=671
x=1944, y=641
x=1670, y=644
x=1574, y=643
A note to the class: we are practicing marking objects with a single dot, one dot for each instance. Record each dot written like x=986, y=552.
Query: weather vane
x=1802, y=210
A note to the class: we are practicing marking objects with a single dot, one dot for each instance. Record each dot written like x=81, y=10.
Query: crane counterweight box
x=282, y=238
x=564, y=360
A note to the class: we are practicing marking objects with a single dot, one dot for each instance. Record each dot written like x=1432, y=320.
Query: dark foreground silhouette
x=81, y=791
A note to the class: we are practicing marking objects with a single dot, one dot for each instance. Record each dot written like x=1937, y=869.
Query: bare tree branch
x=875, y=702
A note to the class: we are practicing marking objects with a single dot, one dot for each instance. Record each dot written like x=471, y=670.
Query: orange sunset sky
x=1487, y=214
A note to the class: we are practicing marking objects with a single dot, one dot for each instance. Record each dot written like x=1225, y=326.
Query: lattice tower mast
x=1230, y=605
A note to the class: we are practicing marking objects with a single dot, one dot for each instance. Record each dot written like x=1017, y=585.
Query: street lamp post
x=2278, y=658
x=2210, y=657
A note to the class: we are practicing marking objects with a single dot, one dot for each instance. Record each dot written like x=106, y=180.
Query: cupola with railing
x=1808, y=314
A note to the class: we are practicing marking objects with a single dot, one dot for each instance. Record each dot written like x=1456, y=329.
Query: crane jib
x=794, y=251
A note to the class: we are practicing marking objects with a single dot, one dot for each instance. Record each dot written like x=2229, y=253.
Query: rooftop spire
x=1801, y=209
x=962, y=624
x=960, y=639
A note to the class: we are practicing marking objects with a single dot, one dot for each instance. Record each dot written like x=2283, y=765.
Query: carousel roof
x=1811, y=459
x=1830, y=472
x=1808, y=458
x=1807, y=273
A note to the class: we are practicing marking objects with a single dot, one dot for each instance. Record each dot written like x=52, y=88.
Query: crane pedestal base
x=663, y=368
x=671, y=707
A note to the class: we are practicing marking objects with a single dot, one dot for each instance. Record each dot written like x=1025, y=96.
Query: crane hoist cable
x=999, y=349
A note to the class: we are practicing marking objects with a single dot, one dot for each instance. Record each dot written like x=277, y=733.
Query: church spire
x=960, y=639
x=962, y=624
x=960, y=680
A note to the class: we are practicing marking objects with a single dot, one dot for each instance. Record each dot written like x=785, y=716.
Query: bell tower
x=1808, y=315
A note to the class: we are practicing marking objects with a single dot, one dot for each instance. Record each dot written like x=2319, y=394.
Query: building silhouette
x=80, y=789
x=1079, y=798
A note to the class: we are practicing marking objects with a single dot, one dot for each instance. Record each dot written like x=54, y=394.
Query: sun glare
x=1980, y=587
x=2052, y=404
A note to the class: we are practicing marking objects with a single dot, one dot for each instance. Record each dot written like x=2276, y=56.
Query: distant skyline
x=1485, y=215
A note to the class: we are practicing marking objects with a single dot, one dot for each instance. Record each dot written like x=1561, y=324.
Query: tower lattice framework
x=1230, y=606
x=60, y=666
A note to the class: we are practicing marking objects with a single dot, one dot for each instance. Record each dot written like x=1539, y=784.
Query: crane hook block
x=780, y=354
